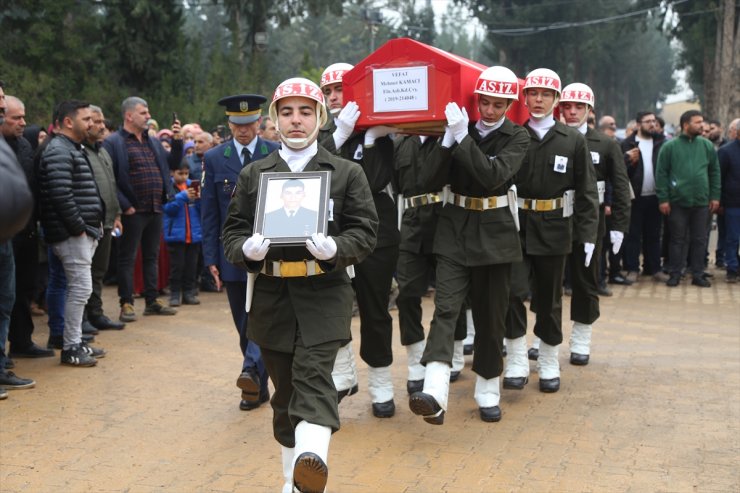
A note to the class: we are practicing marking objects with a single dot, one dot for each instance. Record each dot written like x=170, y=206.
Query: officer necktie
x=246, y=156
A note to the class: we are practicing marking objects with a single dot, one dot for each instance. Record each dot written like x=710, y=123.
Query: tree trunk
x=725, y=57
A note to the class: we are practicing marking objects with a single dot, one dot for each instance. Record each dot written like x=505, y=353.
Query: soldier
x=557, y=181
x=476, y=241
x=222, y=166
x=577, y=100
x=372, y=150
x=419, y=206
x=302, y=295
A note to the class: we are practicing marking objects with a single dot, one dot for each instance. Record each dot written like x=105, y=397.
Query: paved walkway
x=658, y=409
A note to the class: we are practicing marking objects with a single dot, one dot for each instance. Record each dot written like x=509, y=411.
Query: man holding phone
x=221, y=168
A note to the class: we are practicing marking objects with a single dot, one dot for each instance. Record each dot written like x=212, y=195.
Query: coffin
x=407, y=84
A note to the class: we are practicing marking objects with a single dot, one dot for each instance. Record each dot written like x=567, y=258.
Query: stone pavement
x=657, y=409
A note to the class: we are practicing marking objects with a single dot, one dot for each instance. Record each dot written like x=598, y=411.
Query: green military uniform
x=606, y=156
x=374, y=275
x=557, y=163
x=475, y=247
x=421, y=208
x=300, y=322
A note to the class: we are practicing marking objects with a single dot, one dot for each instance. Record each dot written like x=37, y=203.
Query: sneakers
x=157, y=308
x=127, y=313
x=95, y=352
x=11, y=381
x=731, y=277
x=78, y=356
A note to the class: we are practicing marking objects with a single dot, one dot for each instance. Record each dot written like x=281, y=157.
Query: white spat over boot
x=415, y=380
x=516, y=370
x=431, y=403
x=470, y=337
x=488, y=395
x=344, y=373
x=580, y=344
x=458, y=360
x=380, y=385
x=310, y=471
x=288, y=457
x=549, y=368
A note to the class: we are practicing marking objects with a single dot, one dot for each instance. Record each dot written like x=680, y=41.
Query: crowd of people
x=491, y=213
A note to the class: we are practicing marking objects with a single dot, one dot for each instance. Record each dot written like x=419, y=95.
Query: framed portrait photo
x=292, y=206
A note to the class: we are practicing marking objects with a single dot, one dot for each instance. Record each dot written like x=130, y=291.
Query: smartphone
x=195, y=185
x=174, y=117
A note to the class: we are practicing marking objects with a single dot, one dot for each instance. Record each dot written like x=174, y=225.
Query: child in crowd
x=182, y=232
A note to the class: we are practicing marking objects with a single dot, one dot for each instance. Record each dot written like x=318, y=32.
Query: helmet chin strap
x=541, y=116
x=498, y=122
x=298, y=144
x=335, y=111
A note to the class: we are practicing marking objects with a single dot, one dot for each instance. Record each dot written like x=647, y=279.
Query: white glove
x=376, y=133
x=322, y=247
x=616, y=238
x=448, y=138
x=345, y=122
x=457, y=120
x=589, y=249
x=255, y=248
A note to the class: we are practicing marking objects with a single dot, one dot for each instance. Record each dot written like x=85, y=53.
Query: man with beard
x=688, y=189
x=640, y=151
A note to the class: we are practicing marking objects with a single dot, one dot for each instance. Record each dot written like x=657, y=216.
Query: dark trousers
x=584, y=302
x=304, y=389
x=26, y=253
x=414, y=273
x=719, y=253
x=687, y=224
x=94, y=307
x=7, y=296
x=644, y=235
x=236, y=292
x=372, y=283
x=183, y=267
x=488, y=289
x=543, y=274
x=142, y=229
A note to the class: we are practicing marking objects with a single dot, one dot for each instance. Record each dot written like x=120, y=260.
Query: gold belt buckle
x=492, y=202
x=293, y=269
x=474, y=203
x=543, y=205
x=433, y=198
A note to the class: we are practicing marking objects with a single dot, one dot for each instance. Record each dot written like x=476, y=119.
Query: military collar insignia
x=227, y=151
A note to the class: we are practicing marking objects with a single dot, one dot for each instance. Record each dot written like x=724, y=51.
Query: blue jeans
x=7, y=295
x=644, y=234
x=55, y=291
x=732, y=237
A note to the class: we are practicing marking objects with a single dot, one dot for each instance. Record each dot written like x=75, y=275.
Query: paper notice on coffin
x=400, y=89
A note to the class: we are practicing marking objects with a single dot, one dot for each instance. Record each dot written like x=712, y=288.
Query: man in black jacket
x=641, y=156
x=25, y=243
x=16, y=204
x=71, y=214
x=141, y=166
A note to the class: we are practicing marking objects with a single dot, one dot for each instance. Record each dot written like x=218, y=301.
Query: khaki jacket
x=479, y=168
x=320, y=306
x=548, y=232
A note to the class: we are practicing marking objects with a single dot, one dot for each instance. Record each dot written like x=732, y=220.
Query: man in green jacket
x=687, y=183
x=301, y=307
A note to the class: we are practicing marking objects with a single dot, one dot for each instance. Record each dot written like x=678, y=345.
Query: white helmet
x=543, y=78
x=578, y=93
x=498, y=81
x=298, y=86
x=333, y=73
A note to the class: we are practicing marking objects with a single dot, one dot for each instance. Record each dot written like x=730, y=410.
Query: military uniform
x=222, y=167
x=300, y=322
x=557, y=163
x=475, y=245
x=373, y=277
x=608, y=166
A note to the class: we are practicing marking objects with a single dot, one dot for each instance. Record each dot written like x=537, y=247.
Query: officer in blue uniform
x=222, y=165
